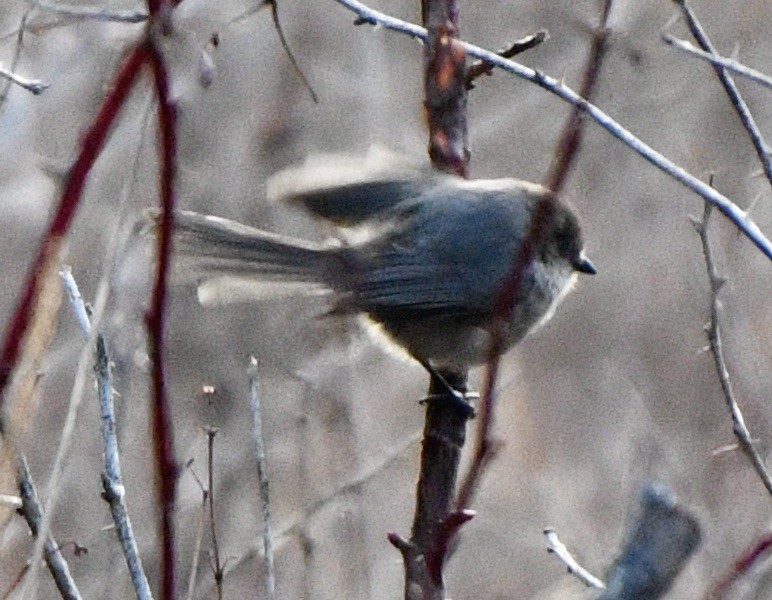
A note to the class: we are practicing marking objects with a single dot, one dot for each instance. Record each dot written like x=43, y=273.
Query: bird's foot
x=442, y=390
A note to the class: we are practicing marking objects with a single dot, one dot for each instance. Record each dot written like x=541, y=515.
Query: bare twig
x=19, y=35
x=199, y=540
x=48, y=251
x=757, y=552
x=33, y=514
x=112, y=481
x=92, y=13
x=262, y=477
x=558, y=548
x=733, y=212
x=295, y=526
x=480, y=67
x=571, y=139
x=719, y=61
x=284, y=44
x=761, y=147
x=211, y=432
x=272, y=4
x=714, y=337
x=35, y=86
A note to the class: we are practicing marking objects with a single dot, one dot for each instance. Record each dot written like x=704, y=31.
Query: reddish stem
x=742, y=565
x=163, y=445
x=91, y=145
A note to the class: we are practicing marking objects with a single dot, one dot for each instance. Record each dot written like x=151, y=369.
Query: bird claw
x=461, y=400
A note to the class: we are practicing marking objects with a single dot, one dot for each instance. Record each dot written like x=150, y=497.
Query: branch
x=558, y=548
x=719, y=61
x=33, y=514
x=762, y=150
x=47, y=256
x=35, y=86
x=733, y=212
x=571, y=140
x=434, y=521
x=759, y=551
x=161, y=424
x=716, y=347
x=262, y=477
x=93, y=13
x=445, y=87
x=114, y=492
x=480, y=67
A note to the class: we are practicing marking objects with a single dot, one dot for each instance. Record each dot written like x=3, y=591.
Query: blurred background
x=614, y=391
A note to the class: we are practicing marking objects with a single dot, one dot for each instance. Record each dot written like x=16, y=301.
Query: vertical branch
x=717, y=349
x=445, y=87
x=166, y=476
x=218, y=570
x=445, y=426
x=262, y=477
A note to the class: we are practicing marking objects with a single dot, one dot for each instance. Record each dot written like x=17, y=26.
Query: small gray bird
x=428, y=259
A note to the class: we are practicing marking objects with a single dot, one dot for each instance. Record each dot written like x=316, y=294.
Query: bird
x=424, y=255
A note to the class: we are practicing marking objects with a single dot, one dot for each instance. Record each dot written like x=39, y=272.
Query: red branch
x=166, y=468
x=742, y=565
x=91, y=145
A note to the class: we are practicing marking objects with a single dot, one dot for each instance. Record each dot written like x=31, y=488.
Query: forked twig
x=700, y=35
x=717, y=350
x=733, y=212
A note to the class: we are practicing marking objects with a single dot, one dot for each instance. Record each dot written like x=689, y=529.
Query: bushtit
x=428, y=258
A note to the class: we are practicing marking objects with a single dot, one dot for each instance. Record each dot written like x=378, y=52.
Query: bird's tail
x=235, y=263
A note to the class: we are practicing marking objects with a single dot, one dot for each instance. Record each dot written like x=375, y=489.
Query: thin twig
x=33, y=514
x=93, y=13
x=750, y=557
x=262, y=477
x=199, y=540
x=285, y=44
x=733, y=212
x=295, y=526
x=35, y=86
x=114, y=491
x=571, y=139
x=480, y=67
x=761, y=147
x=719, y=61
x=714, y=337
x=68, y=203
x=19, y=35
x=112, y=481
x=558, y=548
x=211, y=432
x=282, y=39
x=161, y=421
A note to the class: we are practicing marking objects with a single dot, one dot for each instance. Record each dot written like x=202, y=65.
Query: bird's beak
x=583, y=265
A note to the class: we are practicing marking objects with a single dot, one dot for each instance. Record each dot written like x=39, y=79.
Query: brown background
x=613, y=392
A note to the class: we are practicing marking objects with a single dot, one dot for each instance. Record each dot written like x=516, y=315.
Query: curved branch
x=733, y=212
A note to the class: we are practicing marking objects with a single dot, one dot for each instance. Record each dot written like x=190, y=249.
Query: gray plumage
x=430, y=267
